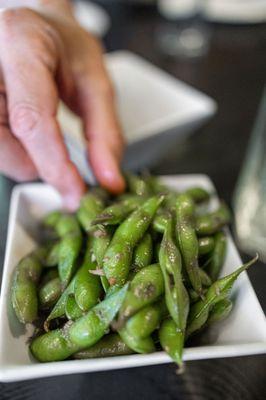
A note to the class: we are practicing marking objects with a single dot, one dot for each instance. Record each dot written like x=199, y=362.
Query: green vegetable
x=84, y=332
x=110, y=345
x=24, y=294
x=187, y=240
x=211, y=223
x=117, y=259
x=218, y=291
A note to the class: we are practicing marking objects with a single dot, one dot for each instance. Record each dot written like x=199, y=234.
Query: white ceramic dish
x=155, y=110
x=243, y=333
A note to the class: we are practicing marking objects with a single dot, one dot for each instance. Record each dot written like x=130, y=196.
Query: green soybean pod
x=193, y=296
x=187, y=239
x=117, y=259
x=91, y=205
x=109, y=346
x=219, y=290
x=24, y=295
x=50, y=292
x=117, y=212
x=172, y=340
x=72, y=310
x=69, y=251
x=198, y=194
x=97, y=321
x=67, y=225
x=146, y=320
x=59, y=308
x=176, y=296
x=205, y=279
x=87, y=287
x=105, y=283
x=143, y=252
x=137, y=185
x=155, y=185
x=53, y=346
x=60, y=344
x=101, y=238
x=137, y=344
x=217, y=256
x=220, y=311
x=206, y=245
x=145, y=288
x=213, y=222
x=52, y=258
x=51, y=219
x=161, y=220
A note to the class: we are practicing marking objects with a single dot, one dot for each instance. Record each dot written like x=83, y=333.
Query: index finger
x=32, y=106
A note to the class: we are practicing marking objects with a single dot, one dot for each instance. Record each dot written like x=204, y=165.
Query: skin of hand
x=46, y=55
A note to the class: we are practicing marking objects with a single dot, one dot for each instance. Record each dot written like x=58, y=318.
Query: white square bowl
x=243, y=333
x=155, y=110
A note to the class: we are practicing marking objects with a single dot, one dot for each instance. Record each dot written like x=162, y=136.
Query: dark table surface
x=233, y=73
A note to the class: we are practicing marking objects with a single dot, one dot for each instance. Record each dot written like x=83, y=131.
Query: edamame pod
x=72, y=310
x=220, y=311
x=68, y=229
x=161, y=220
x=137, y=185
x=139, y=345
x=117, y=259
x=219, y=290
x=24, y=294
x=146, y=320
x=217, y=256
x=116, y=213
x=143, y=252
x=84, y=332
x=187, y=240
x=176, y=296
x=91, y=205
x=110, y=345
x=211, y=223
x=67, y=225
x=69, y=250
x=145, y=288
x=198, y=194
x=100, y=241
x=50, y=293
x=177, y=299
x=194, y=295
x=51, y=219
x=87, y=287
x=52, y=258
x=59, y=308
x=172, y=340
x=206, y=245
x=205, y=279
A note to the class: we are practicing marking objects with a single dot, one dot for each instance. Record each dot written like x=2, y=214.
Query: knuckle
x=23, y=120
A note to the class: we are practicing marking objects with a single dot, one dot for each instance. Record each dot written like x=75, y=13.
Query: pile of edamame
x=134, y=273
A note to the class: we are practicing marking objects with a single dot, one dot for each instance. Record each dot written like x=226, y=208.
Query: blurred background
x=217, y=47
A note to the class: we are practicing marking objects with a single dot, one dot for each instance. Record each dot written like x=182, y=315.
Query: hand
x=45, y=55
